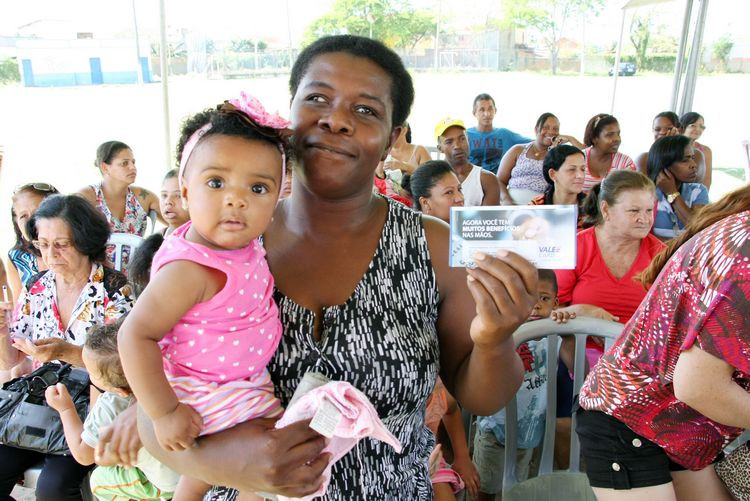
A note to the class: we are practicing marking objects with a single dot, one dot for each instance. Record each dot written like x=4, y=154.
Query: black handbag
x=27, y=422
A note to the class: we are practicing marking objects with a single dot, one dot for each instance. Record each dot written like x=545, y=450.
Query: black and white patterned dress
x=383, y=341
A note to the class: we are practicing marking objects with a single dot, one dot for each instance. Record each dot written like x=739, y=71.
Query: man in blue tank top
x=488, y=144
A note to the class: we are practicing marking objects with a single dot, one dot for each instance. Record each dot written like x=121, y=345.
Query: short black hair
x=543, y=118
x=89, y=226
x=689, y=118
x=423, y=180
x=107, y=151
x=139, y=266
x=170, y=174
x=664, y=152
x=669, y=115
x=43, y=190
x=549, y=277
x=555, y=157
x=402, y=87
x=101, y=340
x=482, y=97
x=595, y=126
x=229, y=123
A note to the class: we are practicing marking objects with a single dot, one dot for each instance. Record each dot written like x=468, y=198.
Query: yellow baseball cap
x=445, y=123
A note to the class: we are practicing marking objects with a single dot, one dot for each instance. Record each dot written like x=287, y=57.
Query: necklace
x=536, y=151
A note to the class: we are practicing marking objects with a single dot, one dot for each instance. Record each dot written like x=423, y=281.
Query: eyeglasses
x=59, y=245
x=44, y=187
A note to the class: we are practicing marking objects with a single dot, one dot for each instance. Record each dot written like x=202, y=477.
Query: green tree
x=9, y=70
x=244, y=45
x=394, y=22
x=548, y=17
x=722, y=48
x=640, y=36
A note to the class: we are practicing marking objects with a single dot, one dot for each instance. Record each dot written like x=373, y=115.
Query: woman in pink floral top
x=666, y=399
x=52, y=317
x=125, y=206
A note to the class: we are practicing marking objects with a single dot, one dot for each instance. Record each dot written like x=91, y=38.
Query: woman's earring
x=184, y=204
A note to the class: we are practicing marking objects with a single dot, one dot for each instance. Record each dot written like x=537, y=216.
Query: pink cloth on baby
x=233, y=335
x=447, y=475
x=358, y=420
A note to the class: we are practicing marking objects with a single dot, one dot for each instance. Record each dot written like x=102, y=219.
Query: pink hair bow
x=256, y=116
x=252, y=107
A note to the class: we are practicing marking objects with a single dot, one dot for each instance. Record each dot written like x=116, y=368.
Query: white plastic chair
x=569, y=484
x=121, y=241
x=152, y=219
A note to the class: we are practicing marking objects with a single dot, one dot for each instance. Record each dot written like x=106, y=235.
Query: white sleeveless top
x=472, y=187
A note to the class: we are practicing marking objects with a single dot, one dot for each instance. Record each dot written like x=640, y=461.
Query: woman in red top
x=673, y=391
x=611, y=253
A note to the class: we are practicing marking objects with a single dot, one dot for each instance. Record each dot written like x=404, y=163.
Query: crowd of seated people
x=337, y=236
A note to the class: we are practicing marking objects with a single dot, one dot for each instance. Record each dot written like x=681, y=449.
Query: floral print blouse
x=105, y=297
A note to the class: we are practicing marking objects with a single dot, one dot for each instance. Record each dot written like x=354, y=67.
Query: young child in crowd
x=148, y=479
x=196, y=345
x=175, y=214
x=489, y=442
x=171, y=205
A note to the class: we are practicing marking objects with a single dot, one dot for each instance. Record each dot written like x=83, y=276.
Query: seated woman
x=23, y=258
x=613, y=251
x=609, y=255
x=405, y=156
x=564, y=170
x=520, y=172
x=666, y=123
x=53, y=316
x=692, y=126
x=125, y=207
x=435, y=188
x=403, y=159
x=667, y=398
x=672, y=167
x=603, y=139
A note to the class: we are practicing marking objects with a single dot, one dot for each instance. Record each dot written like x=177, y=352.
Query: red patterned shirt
x=701, y=296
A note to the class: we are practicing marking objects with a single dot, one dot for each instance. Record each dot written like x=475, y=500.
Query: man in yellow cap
x=479, y=186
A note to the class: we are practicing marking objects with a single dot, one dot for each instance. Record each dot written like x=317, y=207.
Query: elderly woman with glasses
x=52, y=317
x=23, y=257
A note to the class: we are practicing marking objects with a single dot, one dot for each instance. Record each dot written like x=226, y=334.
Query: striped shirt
x=619, y=161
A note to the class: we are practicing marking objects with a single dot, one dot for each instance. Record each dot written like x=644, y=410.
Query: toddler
x=148, y=479
x=171, y=206
x=489, y=443
x=196, y=345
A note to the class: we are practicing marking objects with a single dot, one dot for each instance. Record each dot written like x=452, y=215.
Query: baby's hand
x=58, y=398
x=562, y=316
x=178, y=429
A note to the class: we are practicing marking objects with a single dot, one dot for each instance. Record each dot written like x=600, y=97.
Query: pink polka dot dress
x=215, y=357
